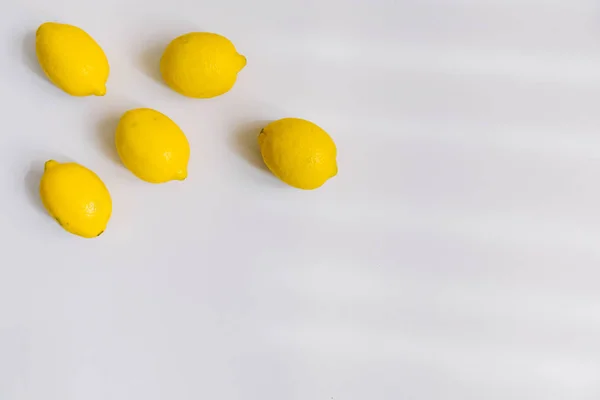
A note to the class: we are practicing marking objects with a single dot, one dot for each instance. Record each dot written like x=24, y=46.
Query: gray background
x=455, y=256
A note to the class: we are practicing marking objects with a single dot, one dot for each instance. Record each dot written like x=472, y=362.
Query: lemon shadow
x=32, y=185
x=244, y=142
x=105, y=137
x=29, y=56
x=149, y=61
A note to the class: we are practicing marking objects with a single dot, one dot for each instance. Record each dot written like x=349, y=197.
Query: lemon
x=152, y=146
x=201, y=65
x=76, y=198
x=72, y=59
x=298, y=152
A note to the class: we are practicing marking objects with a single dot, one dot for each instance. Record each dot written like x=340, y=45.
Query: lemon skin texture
x=72, y=59
x=76, y=198
x=201, y=65
x=152, y=146
x=298, y=152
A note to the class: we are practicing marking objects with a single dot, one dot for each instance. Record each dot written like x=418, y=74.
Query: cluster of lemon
x=150, y=144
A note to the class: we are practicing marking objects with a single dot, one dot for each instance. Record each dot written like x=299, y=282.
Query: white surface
x=454, y=257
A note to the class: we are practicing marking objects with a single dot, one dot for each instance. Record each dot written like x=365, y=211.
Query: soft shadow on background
x=33, y=176
x=105, y=136
x=29, y=56
x=149, y=59
x=244, y=142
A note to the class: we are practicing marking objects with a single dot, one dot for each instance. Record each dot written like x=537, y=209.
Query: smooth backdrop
x=456, y=256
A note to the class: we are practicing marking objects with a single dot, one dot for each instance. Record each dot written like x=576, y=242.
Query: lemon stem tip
x=100, y=91
x=49, y=164
x=181, y=175
x=241, y=62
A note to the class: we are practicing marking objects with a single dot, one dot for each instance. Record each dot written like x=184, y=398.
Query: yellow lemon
x=76, y=198
x=152, y=146
x=298, y=152
x=201, y=65
x=72, y=59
